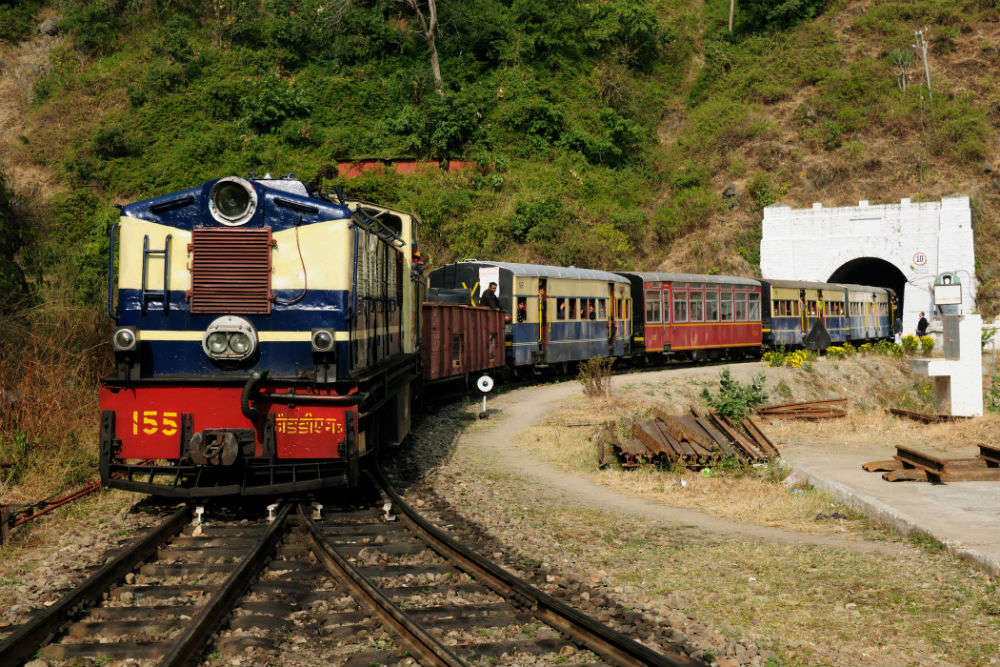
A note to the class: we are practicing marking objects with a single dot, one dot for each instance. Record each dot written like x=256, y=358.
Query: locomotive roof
x=648, y=276
x=545, y=271
x=805, y=284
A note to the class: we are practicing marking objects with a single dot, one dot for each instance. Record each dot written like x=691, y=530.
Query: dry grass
x=753, y=495
x=756, y=495
x=811, y=605
x=50, y=360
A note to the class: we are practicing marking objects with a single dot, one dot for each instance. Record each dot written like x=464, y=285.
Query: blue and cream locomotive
x=266, y=339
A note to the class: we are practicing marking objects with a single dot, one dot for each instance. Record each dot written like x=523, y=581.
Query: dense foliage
x=13, y=288
x=599, y=139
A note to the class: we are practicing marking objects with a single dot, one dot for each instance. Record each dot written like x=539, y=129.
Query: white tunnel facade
x=920, y=239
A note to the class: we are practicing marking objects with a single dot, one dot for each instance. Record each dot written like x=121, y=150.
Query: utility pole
x=732, y=4
x=922, y=45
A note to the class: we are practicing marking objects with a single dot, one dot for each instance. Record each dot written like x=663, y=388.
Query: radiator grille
x=231, y=271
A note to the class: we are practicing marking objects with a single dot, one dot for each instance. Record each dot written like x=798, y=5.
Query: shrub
x=774, y=359
x=763, y=191
x=595, y=375
x=760, y=15
x=94, y=25
x=836, y=352
x=910, y=343
x=993, y=395
x=926, y=344
x=270, y=103
x=13, y=287
x=736, y=399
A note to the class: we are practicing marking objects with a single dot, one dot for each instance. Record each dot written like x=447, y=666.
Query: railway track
x=375, y=585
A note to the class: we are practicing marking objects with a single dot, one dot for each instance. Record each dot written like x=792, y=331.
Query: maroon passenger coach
x=696, y=315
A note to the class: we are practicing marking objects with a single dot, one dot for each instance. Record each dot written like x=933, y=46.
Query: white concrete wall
x=920, y=239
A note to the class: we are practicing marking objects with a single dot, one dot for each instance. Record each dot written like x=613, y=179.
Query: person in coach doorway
x=489, y=298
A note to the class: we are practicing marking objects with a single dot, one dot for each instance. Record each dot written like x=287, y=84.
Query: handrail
x=111, y=270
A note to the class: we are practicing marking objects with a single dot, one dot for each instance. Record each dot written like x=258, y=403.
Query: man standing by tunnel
x=922, y=325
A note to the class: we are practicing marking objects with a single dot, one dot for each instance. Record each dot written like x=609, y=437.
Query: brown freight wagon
x=460, y=340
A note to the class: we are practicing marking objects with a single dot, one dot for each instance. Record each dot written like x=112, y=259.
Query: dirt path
x=494, y=444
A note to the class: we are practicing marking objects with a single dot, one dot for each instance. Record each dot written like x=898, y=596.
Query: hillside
x=606, y=132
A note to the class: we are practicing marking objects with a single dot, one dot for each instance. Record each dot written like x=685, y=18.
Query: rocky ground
x=54, y=553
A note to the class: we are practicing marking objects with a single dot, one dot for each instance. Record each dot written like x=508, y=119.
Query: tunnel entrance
x=875, y=272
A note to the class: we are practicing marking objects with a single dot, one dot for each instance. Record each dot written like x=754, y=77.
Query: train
x=270, y=339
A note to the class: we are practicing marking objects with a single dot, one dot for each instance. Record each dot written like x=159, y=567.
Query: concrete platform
x=964, y=516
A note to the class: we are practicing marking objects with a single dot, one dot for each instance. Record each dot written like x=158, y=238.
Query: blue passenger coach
x=557, y=314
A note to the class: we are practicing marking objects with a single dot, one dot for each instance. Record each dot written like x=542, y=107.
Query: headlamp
x=229, y=338
x=232, y=201
x=322, y=340
x=124, y=339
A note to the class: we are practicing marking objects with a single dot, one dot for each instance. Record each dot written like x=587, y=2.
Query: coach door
x=543, y=316
x=612, y=319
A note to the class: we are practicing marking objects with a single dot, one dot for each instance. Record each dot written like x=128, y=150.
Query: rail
x=24, y=642
x=599, y=638
x=416, y=637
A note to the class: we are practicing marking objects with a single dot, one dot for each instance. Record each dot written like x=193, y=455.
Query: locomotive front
x=265, y=342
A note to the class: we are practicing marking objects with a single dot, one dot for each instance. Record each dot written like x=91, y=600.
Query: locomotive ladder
x=163, y=295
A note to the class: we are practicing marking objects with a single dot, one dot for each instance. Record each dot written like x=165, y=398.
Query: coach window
x=680, y=307
x=572, y=309
x=696, y=310
x=740, y=302
x=711, y=306
x=522, y=308
x=811, y=308
x=653, y=307
x=754, y=311
x=493, y=345
x=618, y=308
x=560, y=308
x=726, y=305
x=602, y=313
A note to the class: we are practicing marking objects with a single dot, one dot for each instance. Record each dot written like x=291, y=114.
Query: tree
x=428, y=27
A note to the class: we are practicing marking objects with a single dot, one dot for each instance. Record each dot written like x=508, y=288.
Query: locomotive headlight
x=239, y=343
x=322, y=340
x=123, y=340
x=229, y=338
x=217, y=343
x=232, y=201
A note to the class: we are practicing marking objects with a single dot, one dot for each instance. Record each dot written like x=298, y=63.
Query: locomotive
x=266, y=339
x=269, y=339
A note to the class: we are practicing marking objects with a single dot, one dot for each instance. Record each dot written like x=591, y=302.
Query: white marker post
x=485, y=385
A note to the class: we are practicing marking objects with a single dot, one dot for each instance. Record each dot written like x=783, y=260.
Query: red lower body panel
x=149, y=420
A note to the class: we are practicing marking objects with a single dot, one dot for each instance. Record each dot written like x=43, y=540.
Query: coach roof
x=545, y=271
x=653, y=276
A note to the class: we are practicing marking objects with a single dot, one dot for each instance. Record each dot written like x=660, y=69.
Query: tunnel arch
x=872, y=271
